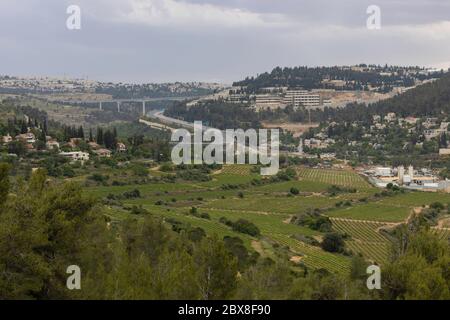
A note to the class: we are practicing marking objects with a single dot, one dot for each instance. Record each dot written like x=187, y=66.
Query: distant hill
x=425, y=100
x=361, y=77
x=157, y=90
x=431, y=99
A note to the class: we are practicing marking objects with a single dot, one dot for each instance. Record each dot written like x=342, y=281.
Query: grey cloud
x=34, y=39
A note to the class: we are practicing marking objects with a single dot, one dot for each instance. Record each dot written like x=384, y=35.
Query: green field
x=335, y=177
x=365, y=238
x=377, y=211
x=270, y=206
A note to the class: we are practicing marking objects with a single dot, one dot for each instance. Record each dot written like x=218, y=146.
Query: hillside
x=431, y=99
x=362, y=77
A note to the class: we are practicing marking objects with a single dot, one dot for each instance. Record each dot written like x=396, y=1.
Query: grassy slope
x=269, y=207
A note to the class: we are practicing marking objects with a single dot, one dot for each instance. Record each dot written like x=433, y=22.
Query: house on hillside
x=94, y=145
x=52, y=144
x=74, y=142
x=103, y=153
x=7, y=139
x=26, y=137
x=121, y=147
x=75, y=156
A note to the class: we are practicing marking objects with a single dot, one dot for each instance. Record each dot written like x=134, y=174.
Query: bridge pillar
x=118, y=106
x=143, y=108
x=101, y=108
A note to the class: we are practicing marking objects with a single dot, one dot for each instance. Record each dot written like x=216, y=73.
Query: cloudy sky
x=215, y=40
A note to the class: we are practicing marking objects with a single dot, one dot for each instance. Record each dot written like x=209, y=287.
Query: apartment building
x=268, y=101
x=304, y=98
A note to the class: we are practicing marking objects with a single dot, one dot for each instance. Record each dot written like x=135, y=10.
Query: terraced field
x=273, y=204
x=365, y=238
x=314, y=257
x=375, y=211
x=270, y=206
x=443, y=233
x=334, y=177
x=236, y=169
x=363, y=231
x=377, y=252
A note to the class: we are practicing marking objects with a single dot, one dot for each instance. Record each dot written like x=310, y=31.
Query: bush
x=138, y=210
x=193, y=210
x=333, y=242
x=294, y=191
x=132, y=194
x=247, y=227
x=437, y=205
x=205, y=215
x=97, y=177
x=313, y=220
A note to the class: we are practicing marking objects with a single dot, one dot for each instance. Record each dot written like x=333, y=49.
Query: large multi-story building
x=269, y=101
x=304, y=98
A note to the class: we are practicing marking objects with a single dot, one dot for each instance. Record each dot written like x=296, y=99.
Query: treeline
x=137, y=91
x=311, y=78
x=217, y=114
x=107, y=137
x=46, y=227
x=431, y=99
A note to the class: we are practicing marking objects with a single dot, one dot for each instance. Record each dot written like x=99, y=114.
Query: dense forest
x=47, y=226
x=311, y=78
x=217, y=114
x=431, y=99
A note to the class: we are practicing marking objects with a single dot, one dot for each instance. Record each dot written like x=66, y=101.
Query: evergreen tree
x=100, y=140
x=23, y=128
x=4, y=182
x=80, y=133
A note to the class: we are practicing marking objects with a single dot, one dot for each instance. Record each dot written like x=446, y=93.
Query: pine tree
x=100, y=140
x=80, y=133
x=23, y=128
x=45, y=127
x=4, y=182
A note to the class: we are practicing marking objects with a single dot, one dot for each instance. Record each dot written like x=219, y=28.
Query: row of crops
x=334, y=177
x=376, y=252
x=236, y=169
x=363, y=231
x=365, y=238
x=314, y=257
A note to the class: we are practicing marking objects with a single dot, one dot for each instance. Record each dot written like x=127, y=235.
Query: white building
x=304, y=98
x=27, y=137
x=383, y=172
x=52, y=144
x=268, y=101
x=75, y=155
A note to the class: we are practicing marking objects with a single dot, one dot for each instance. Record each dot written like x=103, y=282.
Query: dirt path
x=258, y=247
x=238, y=211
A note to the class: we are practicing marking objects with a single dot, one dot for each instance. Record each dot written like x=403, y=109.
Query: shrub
x=132, y=194
x=205, y=215
x=247, y=227
x=333, y=242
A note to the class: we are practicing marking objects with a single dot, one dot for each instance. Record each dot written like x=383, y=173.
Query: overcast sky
x=215, y=40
